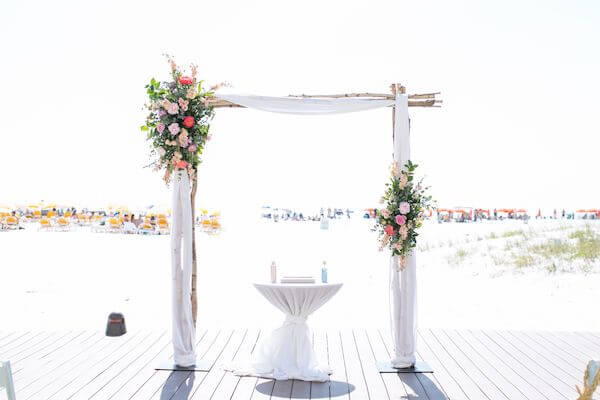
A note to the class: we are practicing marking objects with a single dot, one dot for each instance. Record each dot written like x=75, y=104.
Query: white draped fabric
x=287, y=353
x=404, y=283
x=308, y=106
x=184, y=331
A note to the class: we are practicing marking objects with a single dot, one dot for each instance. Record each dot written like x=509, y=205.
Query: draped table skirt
x=287, y=353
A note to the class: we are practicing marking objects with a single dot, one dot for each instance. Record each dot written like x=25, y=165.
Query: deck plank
x=520, y=367
x=394, y=385
x=50, y=361
x=559, y=346
x=33, y=361
x=468, y=365
x=207, y=382
x=354, y=369
x=127, y=375
x=229, y=381
x=57, y=340
x=85, y=358
x=506, y=385
x=375, y=383
x=119, y=368
x=37, y=343
x=11, y=339
x=339, y=387
x=552, y=348
x=320, y=390
x=565, y=368
x=537, y=365
x=246, y=384
x=208, y=346
x=20, y=342
x=430, y=383
x=470, y=388
x=67, y=385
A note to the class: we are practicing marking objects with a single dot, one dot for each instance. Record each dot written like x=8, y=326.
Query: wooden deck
x=467, y=364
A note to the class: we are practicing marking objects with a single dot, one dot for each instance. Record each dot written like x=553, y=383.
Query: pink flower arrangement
x=174, y=128
x=186, y=80
x=181, y=164
x=188, y=121
x=183, y=104
x=177, y=123
x=401, y=214
x=389, y=230
x=404, y=207
x=173, y=109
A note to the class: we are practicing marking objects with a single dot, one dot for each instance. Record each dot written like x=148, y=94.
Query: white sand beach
x=467, y=276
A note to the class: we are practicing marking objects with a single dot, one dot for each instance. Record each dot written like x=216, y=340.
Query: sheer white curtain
x=184, y=331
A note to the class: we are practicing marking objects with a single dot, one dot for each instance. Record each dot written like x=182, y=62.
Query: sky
x=518, y=126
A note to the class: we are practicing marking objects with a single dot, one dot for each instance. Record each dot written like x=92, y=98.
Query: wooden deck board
x=472, y=365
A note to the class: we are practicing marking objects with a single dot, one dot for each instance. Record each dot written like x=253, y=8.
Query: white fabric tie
x=292, y=319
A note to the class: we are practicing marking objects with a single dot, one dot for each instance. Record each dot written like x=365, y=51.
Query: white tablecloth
x=287, y=353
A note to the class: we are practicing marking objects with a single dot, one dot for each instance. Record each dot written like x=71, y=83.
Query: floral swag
x=177, y=124
x=402, y=215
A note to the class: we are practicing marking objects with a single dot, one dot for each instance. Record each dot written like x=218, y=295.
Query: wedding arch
x=184, y=269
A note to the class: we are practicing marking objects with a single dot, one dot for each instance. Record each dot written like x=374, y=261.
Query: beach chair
x=63, y=224
x=7, y=387
x=51, y=214
x=163, y=226
x=45, y=224
x=68, y=214
x=82, y=219
x=215, y=225
x=146, y=228
x=115, y=225
x=11, y=222
x=37, y=214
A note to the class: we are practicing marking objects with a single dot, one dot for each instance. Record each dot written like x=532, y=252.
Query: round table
x=287, y=353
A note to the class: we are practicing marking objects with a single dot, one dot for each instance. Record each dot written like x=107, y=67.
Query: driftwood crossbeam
x=414, y=100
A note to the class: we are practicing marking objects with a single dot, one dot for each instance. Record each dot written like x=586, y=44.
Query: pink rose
x=173, y=108
x=404, y=207
x=192, y=148
x=389, y=230
x=160, y=127
x=385, y=213
x=183, y=104
x=174, y=128
x=400, y=219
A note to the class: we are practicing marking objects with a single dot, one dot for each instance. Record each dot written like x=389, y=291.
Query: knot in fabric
x=293, y=319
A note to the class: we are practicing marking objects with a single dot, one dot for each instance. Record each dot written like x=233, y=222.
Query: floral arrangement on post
x=405, y=201
x=177, y=122
x=177, y=127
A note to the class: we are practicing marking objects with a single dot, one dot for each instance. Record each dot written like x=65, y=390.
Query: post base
x=420, y=367
x=200, y=365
